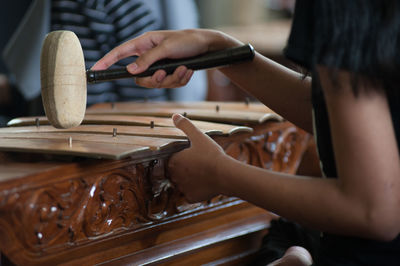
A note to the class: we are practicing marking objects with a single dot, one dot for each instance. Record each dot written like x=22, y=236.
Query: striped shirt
x=101, y=25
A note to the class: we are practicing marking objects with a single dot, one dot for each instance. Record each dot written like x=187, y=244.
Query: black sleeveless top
x=335, y=249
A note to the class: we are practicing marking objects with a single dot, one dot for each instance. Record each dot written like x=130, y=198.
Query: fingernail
x=176, y=118
x=182, y=73
x=132, y=67
x=187, y=77
x=160, y=77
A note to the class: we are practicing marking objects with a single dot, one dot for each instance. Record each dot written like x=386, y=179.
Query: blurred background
x=263, y=23
x=238, y=12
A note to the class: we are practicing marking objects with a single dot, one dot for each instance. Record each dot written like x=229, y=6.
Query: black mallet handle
x=209, y=60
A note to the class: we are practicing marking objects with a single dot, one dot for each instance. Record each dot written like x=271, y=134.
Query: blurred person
x=11, y=14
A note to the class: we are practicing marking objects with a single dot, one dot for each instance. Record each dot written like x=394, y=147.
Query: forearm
x=285, y=91
x=315, y=202
x=281, y=89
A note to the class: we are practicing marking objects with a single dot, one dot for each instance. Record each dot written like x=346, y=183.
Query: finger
x=184, y=124
x=135, y=46
x=122, y=51
x=159, y=79
x=155, y=81
x=148, y=58
x=187, y=77
x=179, y=74
x=180, y=77
x=177, y=79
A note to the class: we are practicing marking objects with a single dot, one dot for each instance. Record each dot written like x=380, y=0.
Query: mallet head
x=63, y=79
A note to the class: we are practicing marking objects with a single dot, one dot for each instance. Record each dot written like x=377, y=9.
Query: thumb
x=184, y=124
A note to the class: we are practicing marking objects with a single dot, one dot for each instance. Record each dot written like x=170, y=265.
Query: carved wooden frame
x=89, y=206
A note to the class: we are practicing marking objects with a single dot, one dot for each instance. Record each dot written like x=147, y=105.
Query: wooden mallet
x=64, y=77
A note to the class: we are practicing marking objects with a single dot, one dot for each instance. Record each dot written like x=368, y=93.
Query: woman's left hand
x=195, y=170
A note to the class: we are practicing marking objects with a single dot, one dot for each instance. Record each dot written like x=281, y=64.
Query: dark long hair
x=361, y=36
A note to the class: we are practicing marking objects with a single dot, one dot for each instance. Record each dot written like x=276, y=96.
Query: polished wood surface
x=235, y=106
x=59, y=209
x=162, y=132
x=235, y=113
x=87, y=145
x=129, y=120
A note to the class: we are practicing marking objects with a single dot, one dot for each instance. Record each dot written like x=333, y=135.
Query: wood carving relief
x=90, y=208
x=278, y=150
x=100, y=205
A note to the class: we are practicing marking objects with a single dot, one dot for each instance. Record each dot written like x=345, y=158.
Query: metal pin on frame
x=217, y=108
x=247, y=101
x=70, y=142
x=152, y=124
x=114, y=132
x=37, y=122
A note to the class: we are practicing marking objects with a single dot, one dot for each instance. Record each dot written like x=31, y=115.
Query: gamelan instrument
x=99, y=192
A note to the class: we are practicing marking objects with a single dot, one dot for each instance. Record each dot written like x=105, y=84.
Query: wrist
x=218, y=40
x=223, y=174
